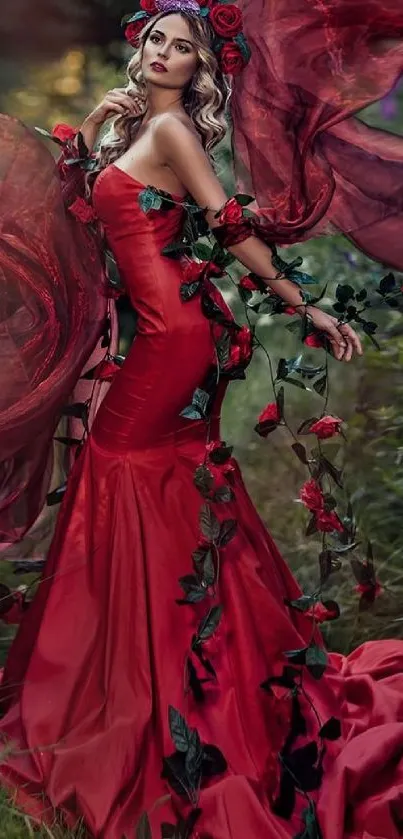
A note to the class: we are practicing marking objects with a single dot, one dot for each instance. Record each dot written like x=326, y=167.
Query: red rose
x=311, y=495
x=248, y=283
x=326, y=427
x=192, y=270
x=289, y=310
x=270, y=413
x=133, y=30
x=82, y=211
x=371, y=589
x=64, y=132
x=321, y=612
x=231, y=60
x=149, y=7
x=231, y=212
x=313, y=341
x=241, y=348
x=12, y=607
x=226, y=19
x=327, y=521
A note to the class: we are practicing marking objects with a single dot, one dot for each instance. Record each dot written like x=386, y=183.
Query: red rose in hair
x=226, y=19
x=82, y=211
x=133, y=30
x=313, y=340
x=328, y=521
x=64, y=132
x=326, y=427
x=270, y=413
x=311, y=496
x=231, y=60
x=149, y=7
x=231, y=212
x=289, y=310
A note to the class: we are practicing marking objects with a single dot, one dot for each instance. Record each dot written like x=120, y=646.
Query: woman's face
x=169, y=55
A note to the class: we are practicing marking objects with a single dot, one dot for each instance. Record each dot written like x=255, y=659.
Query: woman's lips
x=159, y=68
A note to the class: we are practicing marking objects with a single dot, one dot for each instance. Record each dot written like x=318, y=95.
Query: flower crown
x=229, y=43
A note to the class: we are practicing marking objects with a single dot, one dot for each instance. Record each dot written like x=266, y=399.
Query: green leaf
x=303, y=603
x=221, y=454
x=200, y=400
x=223, y=495
x=194, y=592
x=202, y=251
x=227, y=532
x=209, y=623
x=297, y=656
x=280, y=402
x=143, y=829
x=191, y=413
x=387, y=284
x=68, y=441
x=331, y=730
x=243, y=199
x=306, y=425
x=320, y=385
x=300, y=451
x=209, y=523
x=194, y=759
x=149, y=199
x=223, y=347
x=344, y=293
x=208, y=573
x=55, y=497
x=179, y=729
x=189, y=290
x=203, y=480
x=316, y=661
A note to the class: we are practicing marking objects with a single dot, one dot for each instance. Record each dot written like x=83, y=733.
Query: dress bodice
x=136, y=239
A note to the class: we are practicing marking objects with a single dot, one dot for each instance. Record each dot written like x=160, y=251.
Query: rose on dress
x=231, y=60
x=270, y=413
x=226, y=19
x=323, y=611
x=326, y=427
x=64, y=132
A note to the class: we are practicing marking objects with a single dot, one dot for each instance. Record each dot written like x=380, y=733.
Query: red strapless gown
x=100, y=654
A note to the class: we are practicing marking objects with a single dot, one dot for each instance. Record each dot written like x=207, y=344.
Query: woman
x=148, y=684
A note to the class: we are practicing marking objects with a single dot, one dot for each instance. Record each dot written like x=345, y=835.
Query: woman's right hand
x=116, y=101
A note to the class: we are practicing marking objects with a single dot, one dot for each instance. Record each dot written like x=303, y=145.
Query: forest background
x=58, y=58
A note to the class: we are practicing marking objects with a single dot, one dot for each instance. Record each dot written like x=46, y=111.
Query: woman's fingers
x=348, y=332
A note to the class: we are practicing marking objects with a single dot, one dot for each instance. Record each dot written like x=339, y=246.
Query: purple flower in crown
x=192, y=7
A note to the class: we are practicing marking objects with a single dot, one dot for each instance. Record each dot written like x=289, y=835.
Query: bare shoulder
x=177, y=128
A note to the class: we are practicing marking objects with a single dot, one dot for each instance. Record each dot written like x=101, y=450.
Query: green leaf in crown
x=243, y=46
x=130, y=18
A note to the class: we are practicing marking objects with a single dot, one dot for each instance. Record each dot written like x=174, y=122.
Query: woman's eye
x=182, y=48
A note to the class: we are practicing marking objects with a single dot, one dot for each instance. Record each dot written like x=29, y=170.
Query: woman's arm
x=178, y=148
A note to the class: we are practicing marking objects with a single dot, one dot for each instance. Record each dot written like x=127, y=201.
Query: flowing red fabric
x=52, y=305
x=100, y=654
x=312, y=165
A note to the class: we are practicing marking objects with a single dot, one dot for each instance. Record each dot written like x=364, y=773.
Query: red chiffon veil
x=52, y=306
x=314, y=167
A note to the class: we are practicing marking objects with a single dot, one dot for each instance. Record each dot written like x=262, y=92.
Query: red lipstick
x=159, y=68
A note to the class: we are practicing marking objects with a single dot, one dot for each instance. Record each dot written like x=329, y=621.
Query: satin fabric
x=100, y=653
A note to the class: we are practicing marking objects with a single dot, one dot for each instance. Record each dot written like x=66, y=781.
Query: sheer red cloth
x=312, y=165
x=52, y=305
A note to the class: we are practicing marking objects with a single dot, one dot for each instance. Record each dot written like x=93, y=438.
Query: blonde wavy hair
x=205, y=97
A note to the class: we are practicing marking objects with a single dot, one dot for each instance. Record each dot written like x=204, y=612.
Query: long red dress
x=99, y=657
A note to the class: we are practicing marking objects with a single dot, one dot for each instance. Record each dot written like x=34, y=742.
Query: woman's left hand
x=343, y=338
